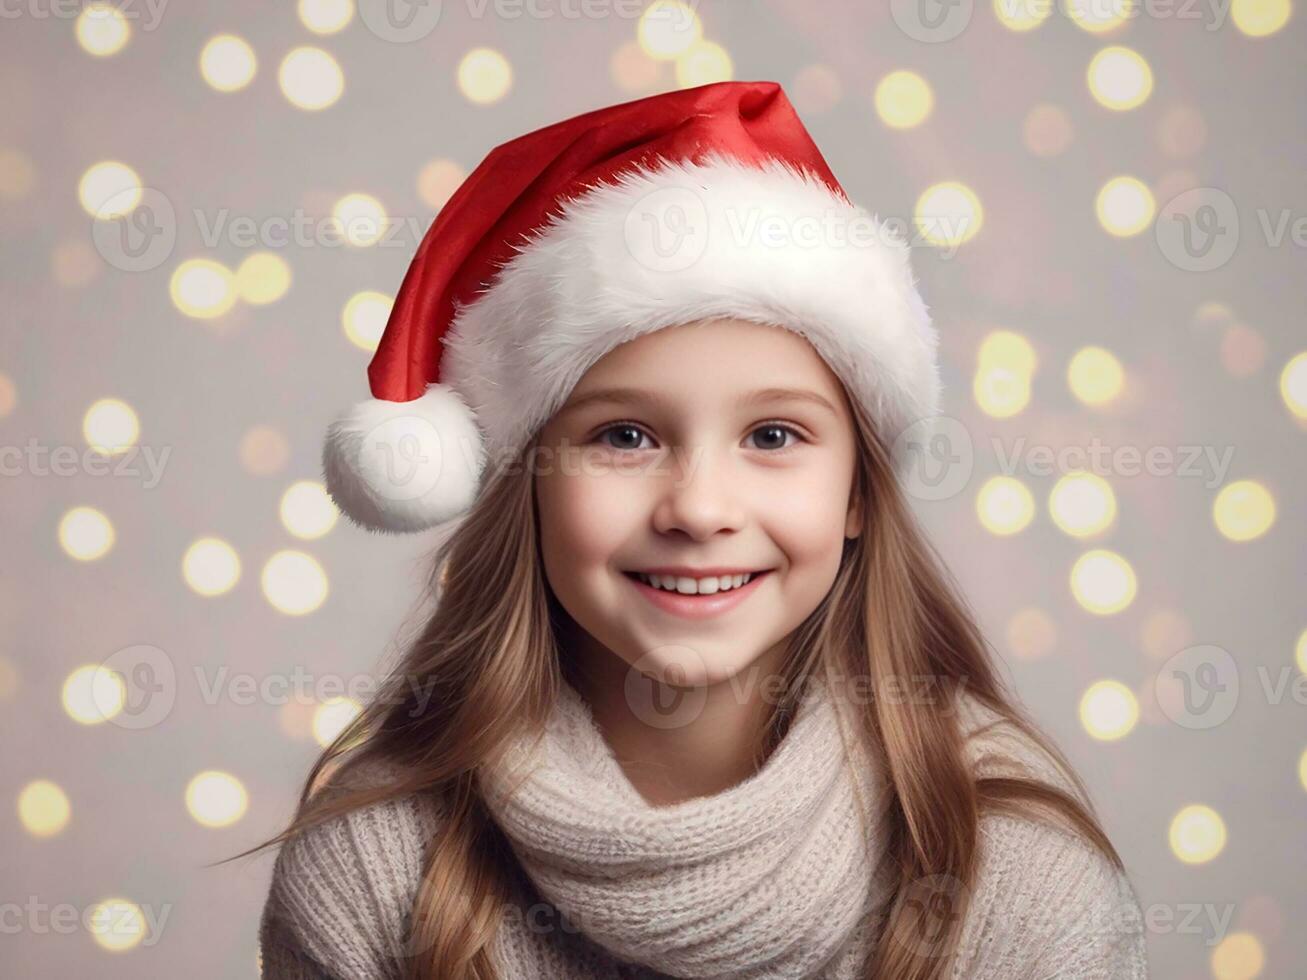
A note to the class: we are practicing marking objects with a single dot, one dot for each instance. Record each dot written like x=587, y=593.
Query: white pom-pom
x=401, y=467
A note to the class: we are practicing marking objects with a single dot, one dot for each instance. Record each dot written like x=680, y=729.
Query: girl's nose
x=700, y=498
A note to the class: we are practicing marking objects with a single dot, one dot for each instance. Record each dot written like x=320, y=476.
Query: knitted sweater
x=1045, y=902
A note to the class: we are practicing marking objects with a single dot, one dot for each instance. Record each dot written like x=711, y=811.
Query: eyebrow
x=635, y=396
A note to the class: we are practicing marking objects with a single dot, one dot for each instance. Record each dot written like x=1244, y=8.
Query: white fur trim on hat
x=404, y=466
x=680, y=243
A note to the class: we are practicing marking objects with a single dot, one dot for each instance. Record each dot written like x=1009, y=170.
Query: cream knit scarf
x=769, y=878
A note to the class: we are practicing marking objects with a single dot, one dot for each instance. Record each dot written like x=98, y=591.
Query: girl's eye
x=633, y=433
x=776, y=431
x=626, y=429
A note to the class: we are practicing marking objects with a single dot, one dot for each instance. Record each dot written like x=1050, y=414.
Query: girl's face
x=675, y=451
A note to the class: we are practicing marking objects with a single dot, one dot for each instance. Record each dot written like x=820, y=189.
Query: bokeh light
x=1182, y=131
x=484, y=76
x=1000, y=392
x=74, y=263
x=1108, y=710
x=202, y=288
x=216, y=799
x=93, y=694
x=311, y=79
x=1103, y=582
x=1260, y=18
x=634, y=72
x=1164, y=632
x=326, y=16
x=331, y=718
x=1125, y=206
x=948, y=213
x=1082, y=504
x=1098, y=16
x=704, y=63
x=110, y=426
x=109, y=189
x=263, y=450
x=1243, y=350
x=1004, y=505
x=1005, y=363
x=228, y=63
x=307, y=511
x=903, y=99
x=294, y=583
x=1047, y=130
x=1031, y=633
x=102, y=29
x=1008, y=350
x=1095, y=376
x=295, y=718
x=1022, y=15
x=668, y=29
x=85, y=534
x=361, y=219
x=364, y=318
x=1238, y=956
x=1119, y=78
x=211, y=567
x=1293, y=385
x=438, y=180
x=1243, y=510
x=1197, y=834
x=17, y=174
x=117, y=924
x=43, y=808
x=262, y=278
x=816, y=88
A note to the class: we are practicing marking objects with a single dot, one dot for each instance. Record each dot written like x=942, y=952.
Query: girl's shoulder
x=996, y=746
x=1043, y=887
x=342, y=890
x=1051, y=900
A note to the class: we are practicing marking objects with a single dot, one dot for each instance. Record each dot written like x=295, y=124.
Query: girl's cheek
x=807, y=523
x=811, y=499
x=588, y=516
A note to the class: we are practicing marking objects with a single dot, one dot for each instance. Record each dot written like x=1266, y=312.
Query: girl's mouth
x=698, y=606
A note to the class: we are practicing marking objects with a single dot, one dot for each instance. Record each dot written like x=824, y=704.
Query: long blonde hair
x=487, y=664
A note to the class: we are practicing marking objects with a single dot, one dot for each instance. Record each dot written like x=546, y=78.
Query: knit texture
x=765, y=879
x=780, y=876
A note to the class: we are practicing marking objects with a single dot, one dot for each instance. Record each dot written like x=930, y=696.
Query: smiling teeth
x=695, y=586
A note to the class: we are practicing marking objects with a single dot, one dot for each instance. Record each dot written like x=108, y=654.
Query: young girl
x=696, y=697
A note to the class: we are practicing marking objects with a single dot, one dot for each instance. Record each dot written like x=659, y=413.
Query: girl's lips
x=697, y=606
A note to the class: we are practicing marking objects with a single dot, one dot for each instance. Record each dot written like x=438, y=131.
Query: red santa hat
x=575, y=238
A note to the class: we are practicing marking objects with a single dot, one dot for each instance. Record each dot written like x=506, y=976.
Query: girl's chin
x=679, y=665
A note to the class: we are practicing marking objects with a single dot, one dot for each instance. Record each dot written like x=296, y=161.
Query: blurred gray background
x=159, y=709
